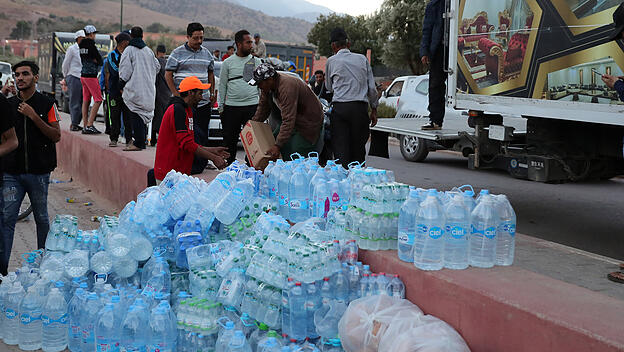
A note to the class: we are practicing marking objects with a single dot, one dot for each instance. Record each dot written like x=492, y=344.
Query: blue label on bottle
x=27, y=318
x=422, y=229
x=406, y=238
x=510, y=229
x=10, y=313
x=47, y=321
x=456, y=231
x=490, y=232
x=298, y=204
x=435, y=232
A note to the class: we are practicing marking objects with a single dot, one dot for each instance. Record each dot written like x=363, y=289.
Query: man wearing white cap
x=72, y=67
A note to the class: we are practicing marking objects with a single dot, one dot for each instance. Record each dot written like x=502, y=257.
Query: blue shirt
x=112, y=65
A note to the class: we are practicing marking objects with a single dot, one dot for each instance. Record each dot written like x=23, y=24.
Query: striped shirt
x=185, y=62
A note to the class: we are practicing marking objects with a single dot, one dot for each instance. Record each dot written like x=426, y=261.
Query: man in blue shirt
x=115, y=102
x=433, y=55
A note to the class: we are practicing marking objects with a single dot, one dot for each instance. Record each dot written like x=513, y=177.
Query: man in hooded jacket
x=137, y=73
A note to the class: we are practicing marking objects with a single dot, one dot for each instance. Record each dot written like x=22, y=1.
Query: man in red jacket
x=176, y=145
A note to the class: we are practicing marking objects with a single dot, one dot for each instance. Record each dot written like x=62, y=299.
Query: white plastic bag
x=366, y=320
x=426, y=334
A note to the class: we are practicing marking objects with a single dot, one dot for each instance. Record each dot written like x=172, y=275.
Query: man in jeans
x=432, y=54
x=8, y=143
x=237, y=99
x=137, y=77
x=27, y=169
x=91, y=63
x=115, y=102
x=72, y=67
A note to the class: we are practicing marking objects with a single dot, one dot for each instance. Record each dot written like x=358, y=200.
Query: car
x=5, y=70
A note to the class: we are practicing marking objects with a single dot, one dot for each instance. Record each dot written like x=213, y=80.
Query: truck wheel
x=414, y=148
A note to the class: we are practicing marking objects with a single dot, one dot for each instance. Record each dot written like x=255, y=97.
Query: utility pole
x=121, y=17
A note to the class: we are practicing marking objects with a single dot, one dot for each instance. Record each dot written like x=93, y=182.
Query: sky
x=351, y=7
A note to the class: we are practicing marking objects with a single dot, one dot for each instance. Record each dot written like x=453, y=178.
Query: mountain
x=287, y=8
x=226, y=16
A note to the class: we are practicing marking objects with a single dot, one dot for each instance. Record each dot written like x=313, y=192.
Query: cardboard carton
x=257, y=139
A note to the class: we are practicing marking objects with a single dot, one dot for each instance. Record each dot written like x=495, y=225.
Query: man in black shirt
x=91, y=64
x=115, y=102
x=8, y=143
x=27, y=169
x=319, y=86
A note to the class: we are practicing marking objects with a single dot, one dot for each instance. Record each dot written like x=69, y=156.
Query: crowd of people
x=176, y=93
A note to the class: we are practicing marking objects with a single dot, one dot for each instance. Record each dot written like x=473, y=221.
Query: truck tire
x=414, y=148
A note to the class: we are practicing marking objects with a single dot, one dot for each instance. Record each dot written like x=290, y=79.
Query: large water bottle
x=107, y=330
x=341, y=285
x=55, y=322
x=101, y=262
x=298, y=196
x=7, y=284
x=282, y=189
x=313, y=303
x=298, y=313
x=318, y=177
x=273, y=179
x=219, y=187
x=88, y=321
x=286, y=306
x=238, y=343
x=429, y=239
x=270, y=344
x=161, y=338
x=225, y=335
x=12, y=308
x=135, y=329
x=506, y=237
x=76, y=263
x=231, y=289
x=484, y=227
x=76, y=305
x=29, y=333
x=231, y=205
x=457, y=230
x=396, y=288
x=407, y=219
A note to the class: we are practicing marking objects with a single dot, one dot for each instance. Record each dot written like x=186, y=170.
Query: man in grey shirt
x=192, y=59
x=350, y=78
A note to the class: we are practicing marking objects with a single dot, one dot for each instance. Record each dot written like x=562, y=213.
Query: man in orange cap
x=176, y=145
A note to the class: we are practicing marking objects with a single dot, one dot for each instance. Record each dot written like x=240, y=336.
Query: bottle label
x=510, y=229
x=335, y=197
x=28, y=318
x=489, y=232
x=10, y=313
x=75, y=331
x=310, y=305
x=435, y=232
x=457, y=232
x=283, y=200
x=298, y=204
x=47, y=321
x=406, y=238
x=422, y=229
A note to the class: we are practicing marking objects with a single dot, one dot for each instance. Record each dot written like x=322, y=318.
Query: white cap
x=80, y=33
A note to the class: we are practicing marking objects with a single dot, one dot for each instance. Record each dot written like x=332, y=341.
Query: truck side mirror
x=384, y=94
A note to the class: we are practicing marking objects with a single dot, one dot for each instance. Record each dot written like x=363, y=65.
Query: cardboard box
x=257, y=139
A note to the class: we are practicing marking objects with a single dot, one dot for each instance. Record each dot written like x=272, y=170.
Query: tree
x=357, y=28
x=157, y=27
x=21, y=30
x=398, y=27
x=212, y=32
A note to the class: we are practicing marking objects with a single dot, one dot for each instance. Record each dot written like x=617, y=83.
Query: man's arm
x=211, y=80
x=95, y=53
x=328, y=78
x=373, y=99
x=67, y=62
x=217, y=155
x=428, y=23
x=106, y=74
x=9, y=142
x=170, y=68
x=264, y=107
x=223, y=82
x=170, y=84
x=52, y=130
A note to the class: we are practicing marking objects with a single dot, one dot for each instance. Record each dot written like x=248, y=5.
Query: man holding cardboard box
x=302, y=113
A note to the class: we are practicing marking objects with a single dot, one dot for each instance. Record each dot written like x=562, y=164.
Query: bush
x=385, y=111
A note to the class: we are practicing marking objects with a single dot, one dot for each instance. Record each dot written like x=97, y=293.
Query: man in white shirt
x=72, y=67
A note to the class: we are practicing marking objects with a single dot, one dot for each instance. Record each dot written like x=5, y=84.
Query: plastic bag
x=366, y=320
x=426, y=334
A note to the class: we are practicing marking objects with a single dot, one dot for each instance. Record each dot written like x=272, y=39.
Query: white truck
x=539, y=61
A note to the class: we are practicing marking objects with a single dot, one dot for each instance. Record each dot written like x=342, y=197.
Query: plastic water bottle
x=484, y=224
x=162, y=336
x=506, y=238
x=77, y=263
x=238, y=343
x=271, y=344
x=341, y=285
x=469, y=200
x=298, y=313
x=282, y=189
x=429, y=239
x=457, y=230
x=298, y=196
x=29, y=334
x=88, y=321
x=107, y=330
x=12, y=308
x=55, y=322
x=225, y=336
x=286, y=306
x=396, y=288
x=74, y=339
x=231, y=289
x=407, y=218
x=220, y=186
x=102, y=262
x=7, y=284
x=233, y=203
x=313, y=303
x=135, y=329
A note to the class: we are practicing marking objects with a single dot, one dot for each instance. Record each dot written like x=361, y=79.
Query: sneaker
x=431, y=126
x=112, y=144
x=86, y=130
x=94, y=130
x=75, y=128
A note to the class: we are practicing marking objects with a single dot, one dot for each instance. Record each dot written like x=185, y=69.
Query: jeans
x=13, y=189
x=75, y=99
x=437, y=87
x=139, y=129
x=233, y=119
x=349, y=131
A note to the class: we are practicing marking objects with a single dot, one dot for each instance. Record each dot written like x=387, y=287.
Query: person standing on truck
x=432, y=55
x=72, y=69
x=237, y=99
x=163, y=94
x=115, y=101
x=301, y=111
x=350, y=80
x=138, y=68
x=176, y=147
x=192, y=59
x=8, y=143
x=259, y=48
x=27, y=169
x=91, y=63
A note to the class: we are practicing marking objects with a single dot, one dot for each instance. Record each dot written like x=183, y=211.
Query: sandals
x=617, y=276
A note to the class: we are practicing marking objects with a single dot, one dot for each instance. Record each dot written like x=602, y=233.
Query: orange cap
x=192, y=82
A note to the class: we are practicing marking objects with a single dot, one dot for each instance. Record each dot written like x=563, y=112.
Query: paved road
x=588, y=216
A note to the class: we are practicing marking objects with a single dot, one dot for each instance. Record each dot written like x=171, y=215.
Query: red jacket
x=176, y=146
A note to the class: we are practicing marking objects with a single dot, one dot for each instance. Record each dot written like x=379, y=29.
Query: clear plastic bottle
x=286, y=306
x=29, y=332
x=282, y=189
x=407, y=219
x=396, y=288
x=107, y=330
x=429, y=239
x=7, y=284
x=238, y=343
x=161, y=338
x=298, y=196
x=457, y=231
x=484, y=227
x=135, y=329
x=88, y=320
x=298, y=313
x=233, y=203
x=313, y=303
x=12, y=308
x=225, y=336
x=506, y=237
x=76, y=305
x=55, y=322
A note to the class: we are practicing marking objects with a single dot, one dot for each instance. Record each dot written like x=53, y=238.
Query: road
x=588, y=215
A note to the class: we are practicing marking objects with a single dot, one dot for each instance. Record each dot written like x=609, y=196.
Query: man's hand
x=218, y=156
x=373, y=117
x=8, y=88
x=213, y=98
x=610, y=80
x=27, y=111
x=220, y=151
x=425, y=60
x=274, y=152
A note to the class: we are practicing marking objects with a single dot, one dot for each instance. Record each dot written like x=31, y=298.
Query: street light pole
x=121, y=17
